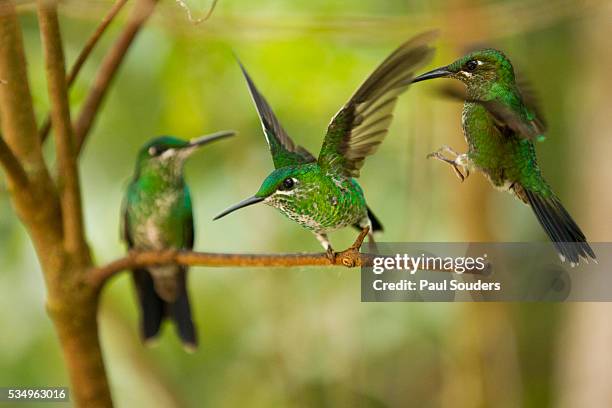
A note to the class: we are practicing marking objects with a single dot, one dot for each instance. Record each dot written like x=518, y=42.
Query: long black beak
x=436, y=73
x=206, y=139
x=242, y=204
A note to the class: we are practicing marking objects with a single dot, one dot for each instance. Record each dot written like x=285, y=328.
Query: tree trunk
x=72, y=302
x=73, y=309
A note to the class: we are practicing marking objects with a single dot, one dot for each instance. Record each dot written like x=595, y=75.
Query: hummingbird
x=157, y=215
x=500, y=123
x=321, y=194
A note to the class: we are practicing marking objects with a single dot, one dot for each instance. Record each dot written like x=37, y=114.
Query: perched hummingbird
x=322, y=194
x=500, y=124
x=157, y=215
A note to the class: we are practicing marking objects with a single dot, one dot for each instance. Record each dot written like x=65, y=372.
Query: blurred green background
x=301, y=337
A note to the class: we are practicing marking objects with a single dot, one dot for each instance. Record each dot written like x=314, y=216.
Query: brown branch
x=349, y=258
x=14, y=171
x=136, y=259
x=83, y=55
x=16, y=110
x=93, y=40
x=141, y=12
x=71, y=304
x=68, y=176
x=38, y=205
x=20, y=135
x=145, y=259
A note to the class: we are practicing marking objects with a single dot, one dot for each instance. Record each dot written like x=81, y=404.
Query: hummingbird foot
x=324, y=240
x=351, y=257
x=331, y=255
x=458, y=163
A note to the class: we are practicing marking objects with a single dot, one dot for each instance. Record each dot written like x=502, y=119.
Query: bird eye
x=156, y=150
x=471, y=65
x=288, y=183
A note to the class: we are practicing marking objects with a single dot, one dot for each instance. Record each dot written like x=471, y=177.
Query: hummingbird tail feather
x=151, y=305
x=154, y=310
x=562, y=230
x=376, y=224
x=374, y=221
x=180, y=312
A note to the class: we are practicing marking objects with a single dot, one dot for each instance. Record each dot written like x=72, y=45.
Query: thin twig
x=83, y=55
x=145, y=259
x=93, y=40
x=136, y=260
x=68, y=176
x=200, y=20
x=349, y=258
x=12, y=167
x=110, y=64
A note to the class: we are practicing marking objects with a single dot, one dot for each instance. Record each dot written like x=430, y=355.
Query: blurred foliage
x=294, y=337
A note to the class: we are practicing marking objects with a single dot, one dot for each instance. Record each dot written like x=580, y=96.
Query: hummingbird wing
x=125, y=227
x=151, y=305
x=361, y=125
x=525, y=124
x=531, y=100
x=188, y=226
x=180, y=310
x=525, y=121
x=284, y=151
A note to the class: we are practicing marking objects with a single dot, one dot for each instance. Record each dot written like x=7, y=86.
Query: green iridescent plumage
x=321, y=194
x=500, y=122
x=319, y=201
x=158, y=215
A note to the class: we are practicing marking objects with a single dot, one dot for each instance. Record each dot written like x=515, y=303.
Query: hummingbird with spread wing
x=500, y=124
x=321, y=194
x=158, y=215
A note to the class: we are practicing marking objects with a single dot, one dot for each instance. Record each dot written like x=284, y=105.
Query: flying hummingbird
x=157, y=215
x=322, y=194
x=500, y=124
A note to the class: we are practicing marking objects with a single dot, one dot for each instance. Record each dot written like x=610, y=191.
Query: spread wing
x=284, y=151
x=361, y=125
x=525, y=121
